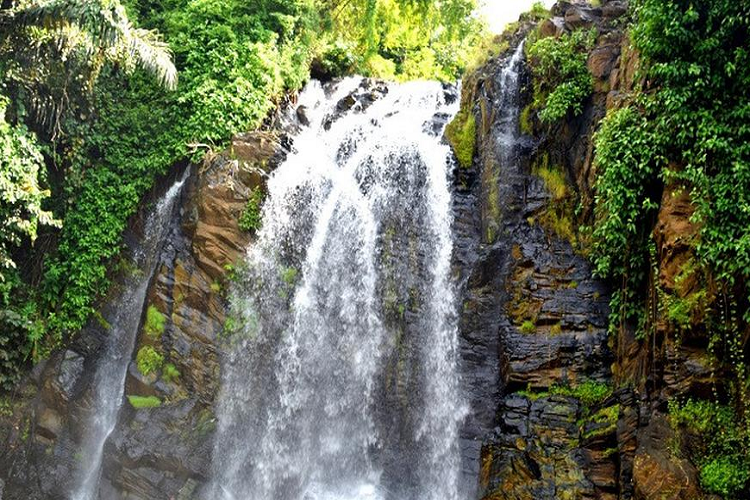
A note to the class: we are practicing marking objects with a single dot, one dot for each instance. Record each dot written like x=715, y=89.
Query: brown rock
x=674, y=234
x=554, y=26
x=656, y=473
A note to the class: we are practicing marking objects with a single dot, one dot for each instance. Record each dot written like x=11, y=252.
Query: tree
x=53, y=51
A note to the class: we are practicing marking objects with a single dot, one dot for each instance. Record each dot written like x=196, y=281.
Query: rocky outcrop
x=164, y=451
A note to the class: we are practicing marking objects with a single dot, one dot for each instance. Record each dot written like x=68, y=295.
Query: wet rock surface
x=161, y=452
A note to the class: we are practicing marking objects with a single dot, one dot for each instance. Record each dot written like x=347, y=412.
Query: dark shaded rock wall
x=162, y=452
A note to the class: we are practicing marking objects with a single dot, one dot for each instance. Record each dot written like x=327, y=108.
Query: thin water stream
x=112, y=367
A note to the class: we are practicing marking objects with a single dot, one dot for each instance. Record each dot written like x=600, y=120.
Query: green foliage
x=170, y=373
x=155, y=321
x=404, y=40
x=107, y=139
x=697, y=53
x=723, y=456
x=462, y=135
x=627, y=196
x=148, y=360
x=589, y=392
x=21, y=197
x=139, y=402
x=250, y=218
x=527, y=327
x=561, y=78
x=724, y=476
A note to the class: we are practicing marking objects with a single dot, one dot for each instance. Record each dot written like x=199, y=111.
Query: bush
x=561, y=78
x=155, y=320
x=148, y=360
x=722, y=455
x=724, y=476
x=250, y=218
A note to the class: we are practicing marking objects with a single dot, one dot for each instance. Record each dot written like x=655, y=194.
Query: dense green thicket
x=689, y=131
x=105, y=128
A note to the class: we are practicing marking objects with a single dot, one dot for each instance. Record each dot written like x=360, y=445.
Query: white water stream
x=112, y=367
x=341, y=378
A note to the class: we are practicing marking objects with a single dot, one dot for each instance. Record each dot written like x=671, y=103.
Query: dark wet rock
x=360, y=99
x=301, y=113
x=614, y=9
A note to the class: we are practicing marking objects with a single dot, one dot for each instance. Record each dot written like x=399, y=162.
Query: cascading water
x=341, y=377
x=507, y=131
x=109, y=378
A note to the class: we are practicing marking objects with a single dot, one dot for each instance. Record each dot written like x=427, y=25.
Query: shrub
x=250, y=218
x=148, y=360
x=155, y=321
x=725, y=476
x=561, y=78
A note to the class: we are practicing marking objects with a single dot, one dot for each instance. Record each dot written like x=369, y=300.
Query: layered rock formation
x=533, y=319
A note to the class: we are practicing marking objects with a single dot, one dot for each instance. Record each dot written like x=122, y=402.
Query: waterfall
x=340, y=378
x=509, y=95
x=109, y=377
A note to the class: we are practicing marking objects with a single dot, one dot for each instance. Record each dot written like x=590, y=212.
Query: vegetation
x=139, y=402
x=155, y=321
x=561, y=78
x=527, y=327
x=461, y=133
x=250, y=217
x=148, y=360
x=170, y=373
x=687, y=133
x=722, y=457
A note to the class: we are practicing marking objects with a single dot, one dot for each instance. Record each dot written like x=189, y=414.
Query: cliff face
x=558, y=408
x=162, y=451
x=531, y=299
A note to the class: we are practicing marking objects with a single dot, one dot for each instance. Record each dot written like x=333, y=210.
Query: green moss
x=170, y=373
x=139, y=402
x=558, y=216
x=215, y=287
x=148, y=360
x=607, y=416
x=155, y=322
x=527, y=327
x=461, y=134
x=525, y=120
x=556, y=329
x=589, y=393
x=250, y=218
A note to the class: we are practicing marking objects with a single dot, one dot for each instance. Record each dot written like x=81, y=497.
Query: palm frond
x=108, y=27
x=153, y=55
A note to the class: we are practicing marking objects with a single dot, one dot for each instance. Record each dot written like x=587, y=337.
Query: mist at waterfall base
x=340, y=380
x=111, y=370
